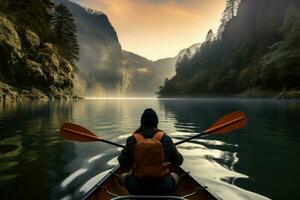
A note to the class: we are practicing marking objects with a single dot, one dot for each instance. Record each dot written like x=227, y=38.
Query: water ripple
x=240, y=165
x=73, y=176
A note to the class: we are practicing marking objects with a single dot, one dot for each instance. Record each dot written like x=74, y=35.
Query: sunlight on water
x=113, y=162
x=93, y=181
x=240, y=165
x=95, y=158
x=70, y=178
x=124, y=136
x=203, y=165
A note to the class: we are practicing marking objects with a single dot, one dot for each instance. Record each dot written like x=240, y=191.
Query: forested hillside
x=256, y=52
x=38, y=50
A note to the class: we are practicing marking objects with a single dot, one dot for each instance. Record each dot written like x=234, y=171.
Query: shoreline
x=76, y=98
x=10, y=93
x=249, y=94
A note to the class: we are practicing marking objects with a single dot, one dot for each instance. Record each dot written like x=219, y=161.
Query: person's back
x=139, y=182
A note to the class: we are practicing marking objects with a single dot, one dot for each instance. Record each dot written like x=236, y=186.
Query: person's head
x=149, y=118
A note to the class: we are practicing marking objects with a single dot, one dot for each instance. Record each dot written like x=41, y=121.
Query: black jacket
x=126, y=158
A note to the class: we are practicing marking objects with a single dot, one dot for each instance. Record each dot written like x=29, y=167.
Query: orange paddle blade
x=78, y=133
x=228, y=123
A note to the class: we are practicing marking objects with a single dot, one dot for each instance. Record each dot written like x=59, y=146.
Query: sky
x=159, y=28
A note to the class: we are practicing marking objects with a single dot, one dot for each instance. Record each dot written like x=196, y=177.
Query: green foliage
x=291, y=28
x=30, y=14
x=37, y=22
x=280, y=67
x=259, y=50
x=228, y=14
x=65, y=33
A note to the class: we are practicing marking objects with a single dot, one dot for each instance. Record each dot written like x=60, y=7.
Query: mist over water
x=248, y=164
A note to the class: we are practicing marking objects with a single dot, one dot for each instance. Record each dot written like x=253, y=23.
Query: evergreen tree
x=3, y=5
x=210, y=37
x=65, y=33
x=229, y=13
x=35, y=15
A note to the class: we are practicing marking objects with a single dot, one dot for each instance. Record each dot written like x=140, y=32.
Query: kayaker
x=149, y=152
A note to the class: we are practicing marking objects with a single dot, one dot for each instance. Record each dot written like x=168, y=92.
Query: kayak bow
x=109, y=188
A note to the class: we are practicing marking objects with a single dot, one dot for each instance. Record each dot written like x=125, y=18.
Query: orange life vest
x=149, y=160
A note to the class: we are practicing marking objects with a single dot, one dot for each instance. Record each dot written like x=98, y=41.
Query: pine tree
x=210, y=37
x=228, y=14
x=3, y=5
x=65, y=33
x=35, y=15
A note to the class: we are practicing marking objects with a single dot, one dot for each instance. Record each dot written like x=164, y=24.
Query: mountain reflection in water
x=247, y=164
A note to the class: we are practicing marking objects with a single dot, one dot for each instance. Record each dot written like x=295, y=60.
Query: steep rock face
x=10, y=48
x=100, y=52
x=8, y=34
x=104, y=67
x=30, y=69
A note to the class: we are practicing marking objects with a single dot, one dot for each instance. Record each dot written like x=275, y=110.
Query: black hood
x=149, y=118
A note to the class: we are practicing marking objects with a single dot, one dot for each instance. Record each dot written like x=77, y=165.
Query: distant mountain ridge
x=159, y=71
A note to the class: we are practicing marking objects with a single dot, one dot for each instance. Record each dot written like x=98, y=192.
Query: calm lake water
x=258, y=162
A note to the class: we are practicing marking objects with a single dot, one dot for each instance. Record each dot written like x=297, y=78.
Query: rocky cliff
x=101, y=63
x=104, y=67
x=30, y=68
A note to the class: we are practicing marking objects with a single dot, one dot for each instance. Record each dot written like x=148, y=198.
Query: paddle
x=225, y=124
x=78, y=133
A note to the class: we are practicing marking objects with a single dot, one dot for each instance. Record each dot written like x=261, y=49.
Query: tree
x=228, y=14
x=65, y=33
x=34, y=15
x=210, y=37
x=3, y=5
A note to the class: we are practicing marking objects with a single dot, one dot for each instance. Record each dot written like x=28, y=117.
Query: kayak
x=110, y=188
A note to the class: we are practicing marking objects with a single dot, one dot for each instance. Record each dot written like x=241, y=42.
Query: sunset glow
x=159, y=28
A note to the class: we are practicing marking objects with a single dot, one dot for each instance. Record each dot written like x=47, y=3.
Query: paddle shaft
x=112, y=143
x=190, y=138
x=210, y=130
x=206, y=132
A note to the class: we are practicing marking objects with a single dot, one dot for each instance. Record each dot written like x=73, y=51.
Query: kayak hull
x=110, y=188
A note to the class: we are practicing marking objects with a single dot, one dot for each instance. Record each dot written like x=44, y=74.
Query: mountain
x=190, y=51
x=144, y=76
x=255, y=53
x=152, y=74
x=106, y=69
x=100, y=50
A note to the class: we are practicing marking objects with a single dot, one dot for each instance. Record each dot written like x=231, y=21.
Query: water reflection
x=241, y=165
x=31, y=153
x=261, y=152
